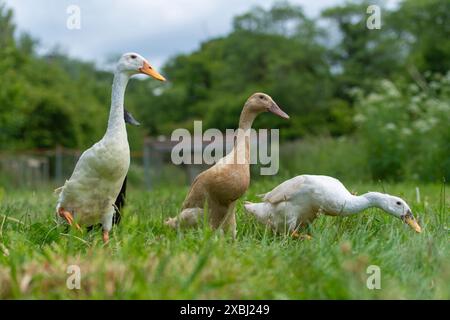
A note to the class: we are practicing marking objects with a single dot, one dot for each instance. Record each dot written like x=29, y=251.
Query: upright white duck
x=298, y=201
x=87, y=198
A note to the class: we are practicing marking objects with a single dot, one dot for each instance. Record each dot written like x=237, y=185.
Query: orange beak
x=148, y=70
x=413, y=224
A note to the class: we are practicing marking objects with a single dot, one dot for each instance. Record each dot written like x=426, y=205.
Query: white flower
x=413, y=88
x=406, y=131
x=374, y=97
x=434, y=85
x=355, y=92
x=389, y=88
x=432, y=121
x=421, y=125
x=390, y=126
x=439, y=106
x=413, y=107
x=416, y=99
x=359, y=118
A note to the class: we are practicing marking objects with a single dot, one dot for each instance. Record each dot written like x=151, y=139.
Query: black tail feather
x=120, y=203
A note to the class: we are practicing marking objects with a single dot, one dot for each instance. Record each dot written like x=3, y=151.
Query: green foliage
x=310, y=71
x=424, y=30
x=47, y=101
x=362, y=55
x=406, y=130
x=273, y=50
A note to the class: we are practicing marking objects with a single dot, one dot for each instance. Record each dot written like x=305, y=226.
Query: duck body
x=298, y=201
x=96, y=181
x=227, y=182
x=223, y=193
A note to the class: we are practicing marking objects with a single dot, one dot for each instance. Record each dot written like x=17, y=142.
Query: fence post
x=58, y=163
x=45, y=170
x=146, y=163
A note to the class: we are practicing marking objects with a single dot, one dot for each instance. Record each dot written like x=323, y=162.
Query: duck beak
x=408, y=218
x=148, y=70
x=275, y=109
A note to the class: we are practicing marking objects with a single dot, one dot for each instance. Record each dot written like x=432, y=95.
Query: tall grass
x=344, y=158
x=146, y=260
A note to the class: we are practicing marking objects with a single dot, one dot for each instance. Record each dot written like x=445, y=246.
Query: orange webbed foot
x=69, y=218
x=105, y=237
x=299, y=236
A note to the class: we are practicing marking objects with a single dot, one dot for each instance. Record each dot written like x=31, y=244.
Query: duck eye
x=398, y=203
x=133, y=56
x=262, y=97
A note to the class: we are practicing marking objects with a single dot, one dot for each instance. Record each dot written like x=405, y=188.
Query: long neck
x=116, y=122
x=242, y=147
x=246, y=119
x=357, y=204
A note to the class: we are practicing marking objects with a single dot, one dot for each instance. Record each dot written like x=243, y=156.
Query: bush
x=406, y=131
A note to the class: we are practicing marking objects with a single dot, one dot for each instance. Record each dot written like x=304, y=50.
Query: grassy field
x=145, y=260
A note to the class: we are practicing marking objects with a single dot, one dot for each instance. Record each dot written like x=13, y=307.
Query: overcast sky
x=157, y=29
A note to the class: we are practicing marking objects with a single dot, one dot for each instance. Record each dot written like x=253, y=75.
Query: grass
x=145, y=260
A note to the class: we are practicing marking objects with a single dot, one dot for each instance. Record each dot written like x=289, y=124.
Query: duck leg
x=107, y=222
x=293, y=230
x=229, y=223
x=300, y=236
x=222, y=216
x=105, y=236
x=68, y=217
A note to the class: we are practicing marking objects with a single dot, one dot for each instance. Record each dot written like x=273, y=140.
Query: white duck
x=298, y=201
x=87, y=198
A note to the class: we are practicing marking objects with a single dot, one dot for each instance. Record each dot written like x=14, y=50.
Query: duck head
x=260, y=102
x=399, y=208
x=132, y=63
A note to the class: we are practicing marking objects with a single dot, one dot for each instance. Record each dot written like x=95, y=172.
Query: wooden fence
x=32, y=168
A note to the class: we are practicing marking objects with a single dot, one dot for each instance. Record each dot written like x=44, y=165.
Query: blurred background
x=365, y=105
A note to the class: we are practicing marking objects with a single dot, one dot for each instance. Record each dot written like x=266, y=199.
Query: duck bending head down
x=298, y=201
x=88, y=197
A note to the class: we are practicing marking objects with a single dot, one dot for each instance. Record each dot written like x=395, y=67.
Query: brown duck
x=221, y=185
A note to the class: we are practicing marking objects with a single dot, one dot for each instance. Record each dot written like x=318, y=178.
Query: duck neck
x=116, y=122
x=246, y=119
x=242, y=145
x=357, y=204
